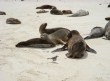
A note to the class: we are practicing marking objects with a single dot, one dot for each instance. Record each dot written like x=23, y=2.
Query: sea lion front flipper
x=90, y=49
x=88, y=37
x=64, y=48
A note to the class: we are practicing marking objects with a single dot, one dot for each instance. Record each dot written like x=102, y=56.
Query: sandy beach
x=31, y=64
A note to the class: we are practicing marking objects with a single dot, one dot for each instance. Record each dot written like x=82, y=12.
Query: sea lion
x=55, y=11
x=2, y=13
x=67, y=11
x=42, y=11
x=35, y=43
x=75, y=45
x=45, y=7
x=107, y=18
x=43, y=29
x=58, y=37
x=79, y=13
x=108, y=5
x=107, y=31
x=96, y=32
x=13, y=21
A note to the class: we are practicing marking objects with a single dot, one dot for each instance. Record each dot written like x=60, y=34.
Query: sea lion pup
x=80, y=13
x=75, y=45
x=67, y=11
x=55, y=11
x=45, y=7
x=58, y=37
x=35, y=43
x=43, y=29
x=96, y=32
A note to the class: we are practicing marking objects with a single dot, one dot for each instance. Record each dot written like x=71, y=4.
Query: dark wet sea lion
x=43, y=29
x=2, y=13
x=58, y=37
x=35, y=43
x=55, y=11
x=45, y=7
x=76, y=45
x=96, y=32
x=13, y=21
x=67, y=12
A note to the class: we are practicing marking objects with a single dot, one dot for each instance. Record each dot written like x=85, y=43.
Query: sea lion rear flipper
x=64, y=48
x=90, y=49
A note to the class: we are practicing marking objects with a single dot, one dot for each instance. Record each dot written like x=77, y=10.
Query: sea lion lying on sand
x=45, y=7
x=96, y=32
x=75, y=45
x=58, y=37
x=35, y=43
x=67, y=11
x=2, y=13
x=55, y=11
x=13, y=21
x=43, y=29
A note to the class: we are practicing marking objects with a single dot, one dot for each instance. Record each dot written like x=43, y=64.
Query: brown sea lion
x=75, y=45
x=45, y=7
x=55, y=11
x=43, y=29
x=58, y=37
x=2, y=13
x=35, y=43
x=67, y=12
x=13, y=21
x=107, y=18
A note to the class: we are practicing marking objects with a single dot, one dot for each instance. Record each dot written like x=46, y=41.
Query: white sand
x=28, y=64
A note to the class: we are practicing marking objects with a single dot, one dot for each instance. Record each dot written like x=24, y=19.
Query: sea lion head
x=73, y=32
x=42, y=28
x=44, y=36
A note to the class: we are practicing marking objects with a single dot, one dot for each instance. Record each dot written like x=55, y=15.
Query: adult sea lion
x=58, y=37
x=75, y=45
x=45, y=7
x=13, y=21
x=35, y=43
x=43, y=29
x=96, y=32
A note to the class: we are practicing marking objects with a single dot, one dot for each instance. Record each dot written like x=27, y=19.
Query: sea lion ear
x=69, y=35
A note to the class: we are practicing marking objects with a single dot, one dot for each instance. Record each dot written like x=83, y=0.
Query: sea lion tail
x=90, y=49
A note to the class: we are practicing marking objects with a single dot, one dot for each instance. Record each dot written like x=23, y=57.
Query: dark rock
x=13, y=21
